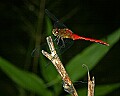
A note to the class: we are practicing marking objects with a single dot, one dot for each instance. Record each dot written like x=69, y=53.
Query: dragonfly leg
x=63, y=43
x=57, y=38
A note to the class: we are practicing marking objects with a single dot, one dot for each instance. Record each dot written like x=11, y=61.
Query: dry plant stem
x=67, y=84
x=91, y=84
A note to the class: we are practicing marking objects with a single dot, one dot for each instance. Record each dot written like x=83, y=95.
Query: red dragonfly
x=61, y=31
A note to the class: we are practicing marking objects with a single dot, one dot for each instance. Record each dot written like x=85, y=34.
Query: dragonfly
x=62, y=32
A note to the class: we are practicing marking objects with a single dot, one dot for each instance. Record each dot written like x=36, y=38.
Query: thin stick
x=53, y=57
x=91, y=83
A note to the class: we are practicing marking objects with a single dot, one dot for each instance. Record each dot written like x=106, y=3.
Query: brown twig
x=67, y=84
x=91, y=83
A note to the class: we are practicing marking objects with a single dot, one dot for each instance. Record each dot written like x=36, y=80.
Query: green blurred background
x=24, y=26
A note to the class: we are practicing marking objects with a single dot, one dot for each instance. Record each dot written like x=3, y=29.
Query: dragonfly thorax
x=62, y=33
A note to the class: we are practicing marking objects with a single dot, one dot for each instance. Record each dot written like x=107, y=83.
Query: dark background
x=94, y=18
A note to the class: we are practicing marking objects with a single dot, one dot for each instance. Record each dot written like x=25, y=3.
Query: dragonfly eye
x=55, y=32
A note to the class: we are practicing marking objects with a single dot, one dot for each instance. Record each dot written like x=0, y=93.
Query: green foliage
x=28, y=81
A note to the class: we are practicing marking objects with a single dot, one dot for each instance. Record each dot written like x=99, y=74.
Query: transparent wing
x=57, y=23
x=59, y=48
x=67, y=44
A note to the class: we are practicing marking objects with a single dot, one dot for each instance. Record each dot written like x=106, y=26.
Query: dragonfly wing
x=35, y=52
x=67, y=44
x=57, y=23
x=51, y=15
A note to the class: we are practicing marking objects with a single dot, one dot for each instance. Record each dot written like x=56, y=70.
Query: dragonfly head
x=55, y=32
